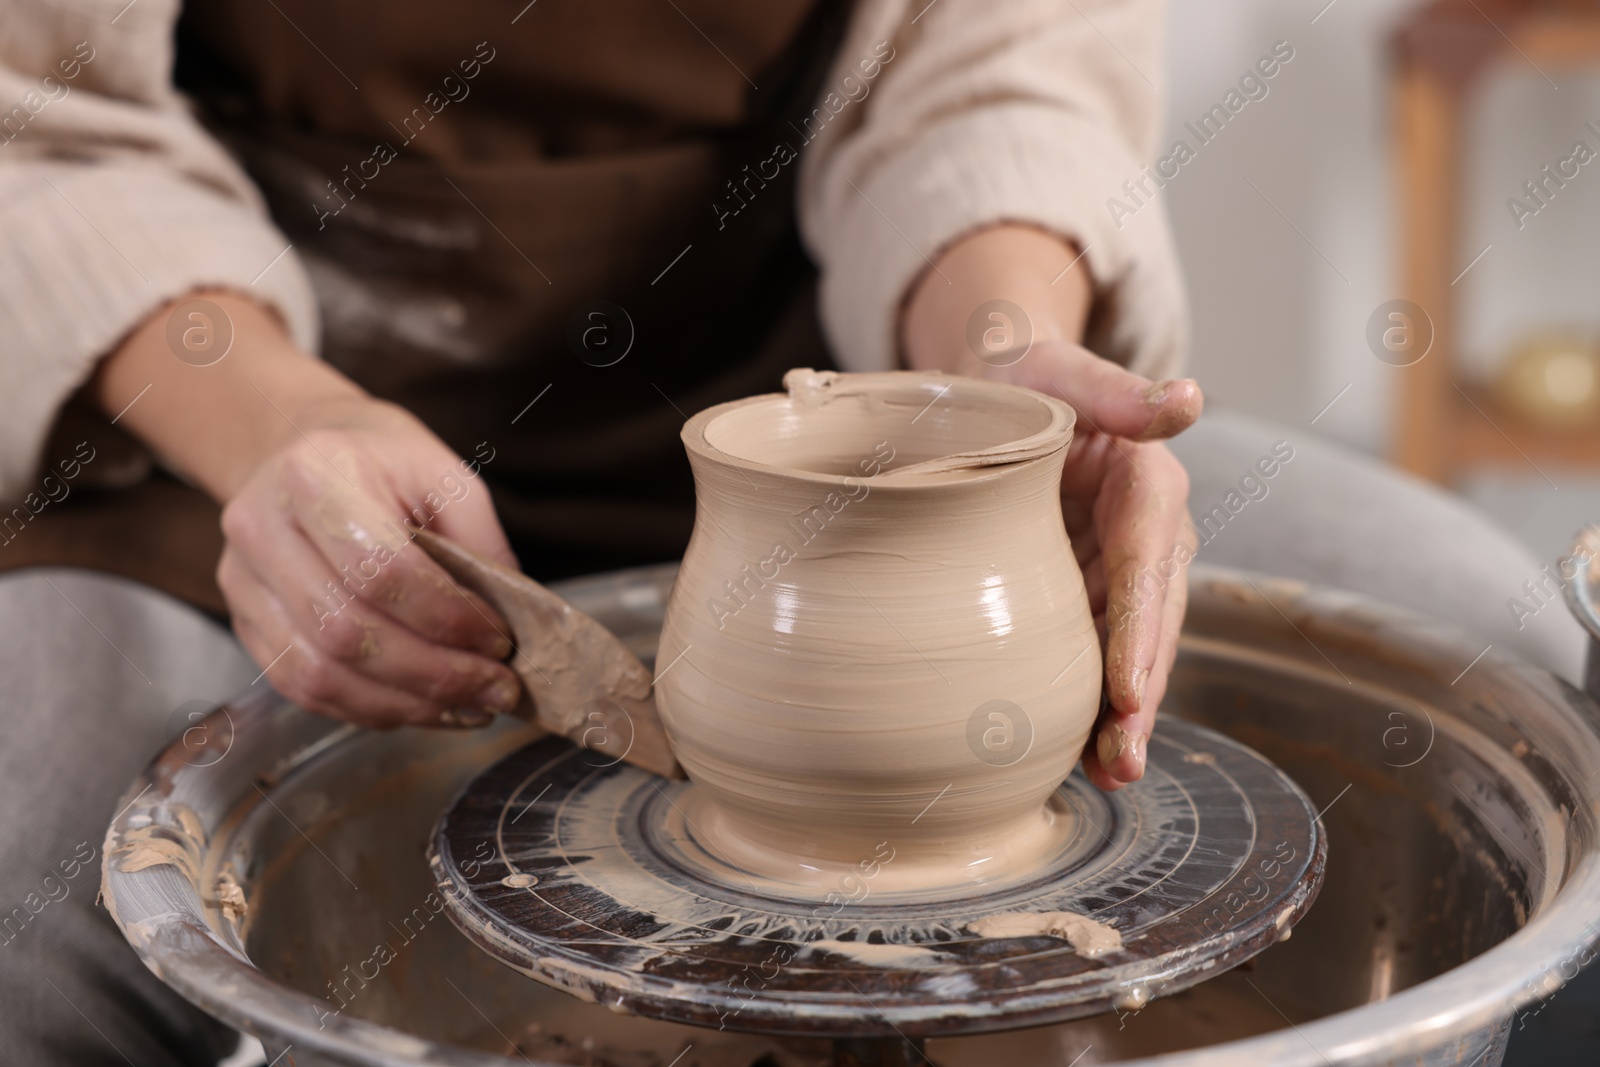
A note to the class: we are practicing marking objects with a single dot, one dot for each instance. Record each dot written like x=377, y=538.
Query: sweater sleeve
x=113, y=201
x=982, y=112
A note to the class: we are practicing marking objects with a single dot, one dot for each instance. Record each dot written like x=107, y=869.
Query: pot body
x=871, y=674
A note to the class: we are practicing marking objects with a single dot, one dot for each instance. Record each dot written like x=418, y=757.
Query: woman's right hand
x=329, y=594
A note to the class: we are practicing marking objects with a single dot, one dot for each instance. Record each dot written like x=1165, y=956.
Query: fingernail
x=1156, y=393
x=499, y=648
x=499, y=697
x=1136, y=748
x=1167, y=420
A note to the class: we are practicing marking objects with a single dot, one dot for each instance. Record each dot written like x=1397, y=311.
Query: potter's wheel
x=591, y=878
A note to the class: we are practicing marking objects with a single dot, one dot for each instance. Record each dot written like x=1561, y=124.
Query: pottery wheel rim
x=1228, y=856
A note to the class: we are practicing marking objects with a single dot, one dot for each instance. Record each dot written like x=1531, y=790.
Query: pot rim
x=1054, y=438
x=161, y=913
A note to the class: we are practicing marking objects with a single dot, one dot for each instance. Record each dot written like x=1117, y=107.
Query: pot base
x=713, y=843
x=597, y=880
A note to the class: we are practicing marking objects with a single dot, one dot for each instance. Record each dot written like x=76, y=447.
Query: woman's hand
x=327, y=591
x=1124, y=497
x=1123, y=493
x=325, y=583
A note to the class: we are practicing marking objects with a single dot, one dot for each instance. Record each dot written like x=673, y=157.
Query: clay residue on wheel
x=1088, y=937
x=882, y=955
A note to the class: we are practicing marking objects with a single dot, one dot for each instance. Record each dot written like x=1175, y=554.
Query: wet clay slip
x=879, y=639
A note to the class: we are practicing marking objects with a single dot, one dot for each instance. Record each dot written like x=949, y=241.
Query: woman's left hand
x=1124, y=495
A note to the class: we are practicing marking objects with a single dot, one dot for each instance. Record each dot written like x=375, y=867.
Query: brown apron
x=476, y=189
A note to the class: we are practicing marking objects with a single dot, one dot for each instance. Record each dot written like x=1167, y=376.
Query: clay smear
x=1088, y=937
x=883, y=955
x=877, y=558
x=155, y=845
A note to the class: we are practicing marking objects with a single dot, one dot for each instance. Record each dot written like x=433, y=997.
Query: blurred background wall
x=1286, y=224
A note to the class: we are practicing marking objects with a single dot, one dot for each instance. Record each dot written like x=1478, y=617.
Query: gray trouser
x=1331, y=516
x=99, y=672
x=95, y=669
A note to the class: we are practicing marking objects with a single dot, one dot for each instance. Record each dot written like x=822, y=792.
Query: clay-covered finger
x=1172, y=613
x=373, y=556
x=1092, y=769
x=1121, y=742
x=387, y=652
x=1145, y=538
x=1110, y=398
x=302, y=672
x=346, y=629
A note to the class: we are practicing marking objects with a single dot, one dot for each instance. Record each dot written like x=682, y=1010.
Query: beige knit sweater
x=113, y=200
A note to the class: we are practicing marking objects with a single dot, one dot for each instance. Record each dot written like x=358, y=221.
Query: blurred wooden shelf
x=1484, y=434
x=1440, y=52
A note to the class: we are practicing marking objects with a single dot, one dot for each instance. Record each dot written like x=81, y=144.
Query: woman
x=535, y=237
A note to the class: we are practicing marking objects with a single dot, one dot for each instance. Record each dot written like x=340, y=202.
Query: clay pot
x=878, y=659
